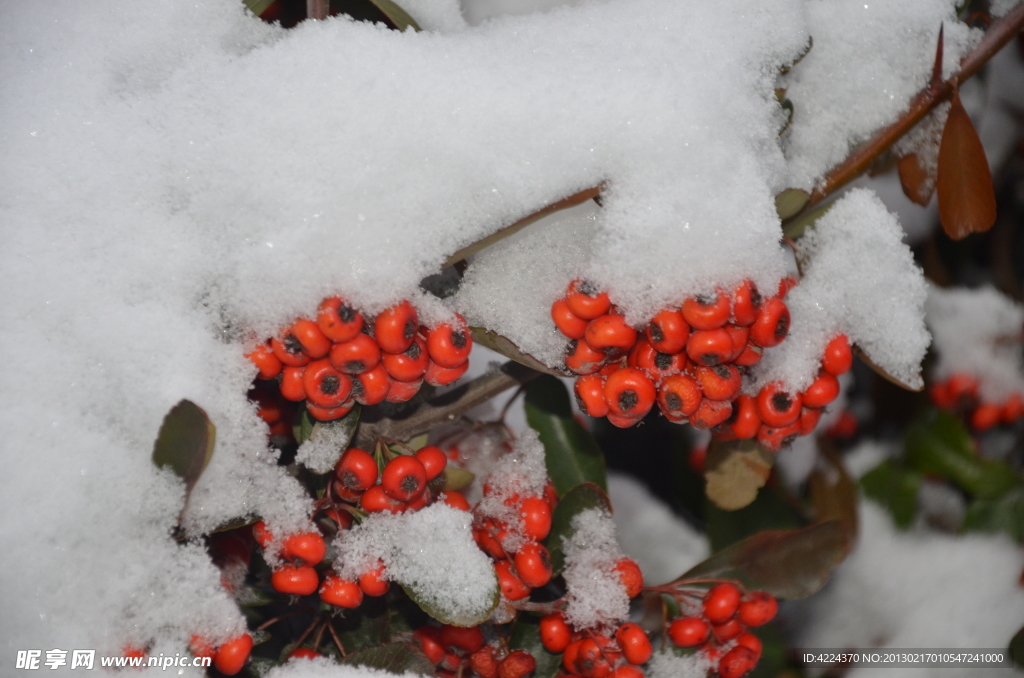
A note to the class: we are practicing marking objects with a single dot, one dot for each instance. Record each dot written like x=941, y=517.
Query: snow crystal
x=978, y=332
x=868, y=59
x=323, y=667
x=323, y=448
x=663, y=544
x=594, y=593
x=444, y=16
x=667, y=664
x=1000, y=8
x=431, y=551
x=922, y=589
x=860, y=280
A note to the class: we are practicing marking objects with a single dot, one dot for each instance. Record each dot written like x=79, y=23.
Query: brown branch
x=446, y=408
x=923, y=103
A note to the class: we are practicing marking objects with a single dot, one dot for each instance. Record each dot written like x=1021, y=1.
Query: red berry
x=635, y=645
x=567, y=322
x=429, y=639
x=772, y=324
x=746, y=302
x=758, y=608
x=728, y=630
x=1013, y=409
x=751, y=356
x=433, y=460
x=719, y=382
x=373, y=582
x=308, y=334
x=736, y=662
x=395, y=328
x=658, y=366
x=337, y=320
x=296, y=580
x=740, y=337
x=582, y=359
x=487, y=537
x=679, y=397
x=409, y=365
x=751, y=642
x=517, y=664
x=455, y=499
x=307, y=546
x=610, y=334
x=356, y=470
x=442, y=376
x=985, y=416
x=468, y=639
x=774, y=439
x=688, y=631
x=711, y=413
x=630, y=576
x=589, y=390
x=668, y=332
x=329, y=413
x=585, y=302
x=341, y=592
x=709, y=347
x=629, y=392
x=403, y=478
x=512, y=587
x=622, y=420
x=778, y=407
x=626, y=671
x=401, y=391
x=706, y=312
x=356, y=356
x=570, y=656
x=376, y=499
x=288, y=349
x=484, y=663
x=325, y=386
x=838, y=358
x=533, y=563
x=372, y=386
x=808, y=421
x=536, y=515
x=265, y=361
x=555, y=634
x=745, y=421
x=262, y=534
x=450, y=346
x=418, y=502
x=821, y=392
x=201, y=647
x=232, y=655
x=591, y=661
x=292, y=387
x=303, y=653
x=721, y=603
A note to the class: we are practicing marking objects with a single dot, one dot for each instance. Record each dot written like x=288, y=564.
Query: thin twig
x=337, y=640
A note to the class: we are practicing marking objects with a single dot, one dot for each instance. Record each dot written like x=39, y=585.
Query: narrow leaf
x=395, y=658
x=185, y=442
x=967, y=199
x=916, y=386
x=937, y=65
x=398, y=17
x=577, y=500
x=1003, y=514
x=786, y=564
x=526, y=636
x=505, y=347
x=895, y=488
x=735, y=471
x=917, y=183
x=790, y=202
x=571, y=454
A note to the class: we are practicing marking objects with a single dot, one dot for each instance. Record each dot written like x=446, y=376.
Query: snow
x=431, y=550
x=662, y=543
x=595, y=595
x=517, y=475
x=918, y=590
x=859, y=280
x=666, y=664
x=323, y=667
x=978, y=332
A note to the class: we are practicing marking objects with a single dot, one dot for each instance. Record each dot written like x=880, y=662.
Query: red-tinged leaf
x=967, y=199
x=937, y=66
x=918, y=184
x=785, y=563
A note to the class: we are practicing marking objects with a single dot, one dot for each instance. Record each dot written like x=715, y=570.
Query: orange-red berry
x=433, y=460
x=288, y=349
x=337, y=320
x=688, y=631
x=449, y=346
x=518, y=664
x=822, y=391
x=303, y=653
x=403, y=478
x=373, y=582
x=582, y=359
x=778, y=407
x=711, y=413
x=1013, y=409
x=307, y=546
x=356, y=470
x=372, y=386
x=484, y=663
x=585, y=301
x=232, y=655
x=376, y=499
x=466, y=638
x=589, y=390
x=395, y=327
x=555, y=634
x=292, y=387
x=709, y=347
x=985, y=416
x=809, y=418
x=512, y=587
x=630, y=575
x=308, y=334
x=401, y=391
x=455, y=499
x=774, y=439
x=429, y=639
x=658, y=366
x=719, y=382
x=610, y=334
x=442, y=376
x=721, y=602
x=262, y=534
x=727, y=630
x=201, y=647
x=838, y=358
x=751, y=356
x=706, y=312
x=410, y=365
x=772, y=324
x=355, y=356
x=341, y=592
x=265, y=361
x=745, y=421
x=758, y=608
x=626, y=671
x=746, y=302
x=751, y=642
x=329, y=413
x=325, y=386
x=668, y=332
x=570, y=655
x=634, y=643
x=533, y=564
x=736, y=662
x=591, y=661
x=679, y=396
x=297, y=580
x=567, y=322
x=536, y=515
x=629, y=392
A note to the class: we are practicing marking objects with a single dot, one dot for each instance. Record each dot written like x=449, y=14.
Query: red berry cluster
x=454, y=649
x=344, y=358
x=718, y=627
x=229, y=657
x=959, y=393
x=691, y=361
x=594, y=655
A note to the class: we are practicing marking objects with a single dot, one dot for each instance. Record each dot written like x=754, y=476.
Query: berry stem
x=337, y=640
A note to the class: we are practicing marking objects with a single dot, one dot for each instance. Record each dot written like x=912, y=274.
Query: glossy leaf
x=1002, y=514
x=938, y=443
x=917, y=183
x=577, y=500
x=185, y=442
x=505, y=347
x=462, y=617
x=895, y=488
x=916, y=386
x=368, y=626
x=526, y=636
x=967, y=199
x=799, y=225
x=571, y=454
x=786, y=564
x=772, y=510
x=735, y=471
x=395, y=658
x=790, y=202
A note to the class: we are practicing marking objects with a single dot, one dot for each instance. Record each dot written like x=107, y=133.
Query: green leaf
x=394, y=658
x=1003, y=514
x=396, y=15
x=785, y=563
x=571, y=454
x=367, y=626
x=257, y=667
x=1017, y=648
x=303, y=428
x=463, y=617
x=799, y=225
x=577, y=500
x=939, y=444
x=791, y=200
x=185, y=442
x=895, y=488
x=526, y=636
x=770, y=511
x=455, y=478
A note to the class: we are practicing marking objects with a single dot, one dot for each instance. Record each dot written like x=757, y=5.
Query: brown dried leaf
x=735, y=471
x=833, y=492
x=967, y=199
x=917, y=183
x=917, y=386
